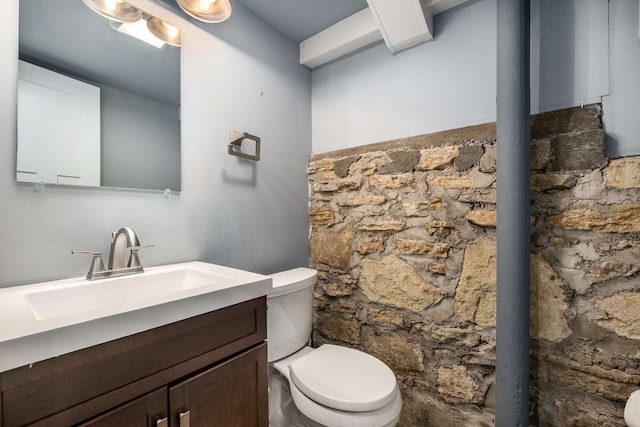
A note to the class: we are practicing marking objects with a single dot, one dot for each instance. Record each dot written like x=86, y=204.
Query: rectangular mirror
x=96, y=107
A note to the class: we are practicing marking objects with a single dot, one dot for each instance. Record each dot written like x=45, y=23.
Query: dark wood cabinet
x=228, y=395
x=211, y=367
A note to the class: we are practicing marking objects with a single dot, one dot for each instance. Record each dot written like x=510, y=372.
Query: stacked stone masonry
x=404, y=238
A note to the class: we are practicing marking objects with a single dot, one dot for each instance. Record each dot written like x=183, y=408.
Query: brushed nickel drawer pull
x=184, y=419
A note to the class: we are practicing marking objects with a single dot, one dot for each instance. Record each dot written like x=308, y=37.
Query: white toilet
x=632, y=410
x=331, y=386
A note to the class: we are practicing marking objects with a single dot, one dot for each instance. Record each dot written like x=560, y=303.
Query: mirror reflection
x=96, y=105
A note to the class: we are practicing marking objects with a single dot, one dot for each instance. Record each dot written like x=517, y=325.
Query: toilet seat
x=386, y=415
x=344, y=379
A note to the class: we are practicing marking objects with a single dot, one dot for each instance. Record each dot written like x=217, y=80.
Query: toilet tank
x=290, y=311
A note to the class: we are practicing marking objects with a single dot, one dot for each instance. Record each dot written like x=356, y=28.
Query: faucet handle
x=97, y=265
x=134, y=258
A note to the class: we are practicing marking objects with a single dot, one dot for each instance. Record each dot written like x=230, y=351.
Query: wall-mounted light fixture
x=139, y=31
x=207, y=10
x=164, y=31
x=134, y=22
x=116, y=10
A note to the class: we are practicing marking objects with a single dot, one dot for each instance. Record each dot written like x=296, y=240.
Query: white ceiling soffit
x=401, y=23
x=348, y=35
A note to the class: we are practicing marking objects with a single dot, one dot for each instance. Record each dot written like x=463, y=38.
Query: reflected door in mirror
x=58, y=128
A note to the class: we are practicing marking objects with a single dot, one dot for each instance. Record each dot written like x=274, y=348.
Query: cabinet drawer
x=145, y=411
x=78, y=385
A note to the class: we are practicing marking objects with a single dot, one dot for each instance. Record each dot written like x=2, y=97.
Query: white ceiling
x=301, y=19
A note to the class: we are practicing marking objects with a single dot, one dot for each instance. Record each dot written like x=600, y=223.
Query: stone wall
x=403, y=235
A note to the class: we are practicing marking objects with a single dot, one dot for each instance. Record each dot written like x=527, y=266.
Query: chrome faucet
x=124, y=240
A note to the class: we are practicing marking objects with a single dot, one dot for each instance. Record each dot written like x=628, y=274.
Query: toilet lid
x=343, y=378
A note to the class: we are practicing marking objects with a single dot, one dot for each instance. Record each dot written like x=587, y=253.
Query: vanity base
x=216, y=360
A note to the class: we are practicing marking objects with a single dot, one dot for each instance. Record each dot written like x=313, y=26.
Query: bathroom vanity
x=208, y=368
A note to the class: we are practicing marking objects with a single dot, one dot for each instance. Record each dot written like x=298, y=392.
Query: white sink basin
x=121, y=292
x=45, y=320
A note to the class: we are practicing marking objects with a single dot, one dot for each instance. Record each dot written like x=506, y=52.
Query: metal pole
x=514, y=210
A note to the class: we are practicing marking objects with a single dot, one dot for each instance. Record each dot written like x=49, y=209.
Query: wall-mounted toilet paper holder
x=235, y=143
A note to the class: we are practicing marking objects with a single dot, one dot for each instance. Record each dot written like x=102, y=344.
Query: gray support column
x=514, y=207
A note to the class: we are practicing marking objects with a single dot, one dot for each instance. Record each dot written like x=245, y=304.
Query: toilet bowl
x=338, y=386
x=632, y=410
x=331, y=386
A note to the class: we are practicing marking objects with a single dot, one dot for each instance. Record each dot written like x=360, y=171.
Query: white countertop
x=26, y=337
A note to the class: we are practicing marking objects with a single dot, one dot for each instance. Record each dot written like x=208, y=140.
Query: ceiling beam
x=400, y=23
x=350, y=34
x=403, y=24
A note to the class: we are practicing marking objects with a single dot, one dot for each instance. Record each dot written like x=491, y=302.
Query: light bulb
x=112, y=5
x=205, y=5
x=172, y=31
x=164, y=31
x=207, y=10
x=117, y=10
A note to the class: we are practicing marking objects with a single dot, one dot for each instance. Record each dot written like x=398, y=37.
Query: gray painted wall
x=140, y=141
x=621, y=106
x=450, y=82
x=230, y=212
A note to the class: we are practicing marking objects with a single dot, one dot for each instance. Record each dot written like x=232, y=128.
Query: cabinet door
x=232, y=394
x=149, y=410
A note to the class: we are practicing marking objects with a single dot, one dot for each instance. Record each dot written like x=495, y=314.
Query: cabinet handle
x=163, y=422
x=184, y=419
